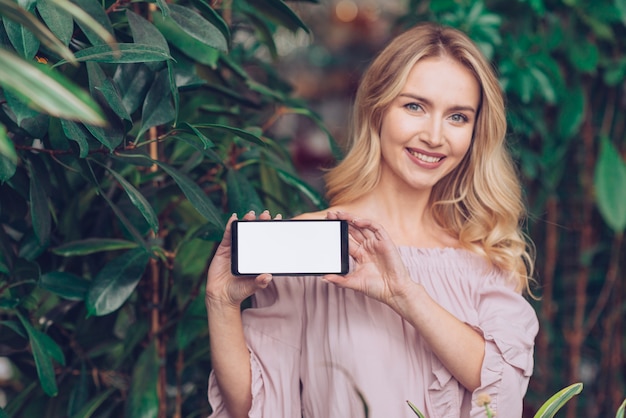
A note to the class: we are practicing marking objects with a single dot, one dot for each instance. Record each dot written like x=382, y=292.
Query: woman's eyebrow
x=424, y=100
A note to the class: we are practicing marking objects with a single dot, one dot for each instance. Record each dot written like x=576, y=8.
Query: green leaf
x=138, y=200
x=46, y=90
x=620, y=5
x=123, y=54
x=205, y=140
x=23, y=40
x=556, y=401
x=130, y=228
x=303, y=187
x=7, y=149
x=544, y=85
x=39, y=210
x=143, y=401
x=278, y=12
x=171, y=75
x=15, y=326
x=165, y=8
x=190, y=46
x=584, y=56
x=66, y=285
x=414, y=409
x=58, y=20
x=198, y=27
x=80, y=391
x=195, y=194
x=27, y=21
x=214, y=17
x=242, y=197
x=145, y=32
x=110, y=136
x=610, y=186
x=572, y=111
x=7, y=167
x=243, y=134
x=191, y=140
x=192, y=324
x=51, y=347
x=621, y=410
x=615, y=72
x=24, y=396
x=334, y=148
x=133, y=81
x=116, y=282
x=43, y=362
x=102, y=86
x=90, y=407
x=20, y=109
x=157, y=108
x=79, y=134
x=92, y=19
x=92, y=246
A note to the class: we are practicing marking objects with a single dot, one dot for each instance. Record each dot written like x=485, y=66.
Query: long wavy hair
x=480, y=202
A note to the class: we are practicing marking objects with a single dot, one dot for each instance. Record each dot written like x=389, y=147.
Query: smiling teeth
x=425, y=158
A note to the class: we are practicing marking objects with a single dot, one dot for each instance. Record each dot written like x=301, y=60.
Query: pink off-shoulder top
x=319, y=351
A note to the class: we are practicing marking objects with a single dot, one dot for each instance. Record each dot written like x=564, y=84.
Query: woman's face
x=427, y=129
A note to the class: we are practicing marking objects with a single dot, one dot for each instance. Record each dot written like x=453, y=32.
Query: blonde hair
x=479, y=202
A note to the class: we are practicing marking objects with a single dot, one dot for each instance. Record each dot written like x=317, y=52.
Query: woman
x=432, y=309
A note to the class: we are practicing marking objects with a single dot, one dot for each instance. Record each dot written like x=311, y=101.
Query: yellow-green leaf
x=556, y=401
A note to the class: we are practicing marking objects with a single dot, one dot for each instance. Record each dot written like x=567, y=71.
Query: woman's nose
x=432, y=132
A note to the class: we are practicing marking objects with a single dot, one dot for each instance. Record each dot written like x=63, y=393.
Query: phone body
x=289, y=247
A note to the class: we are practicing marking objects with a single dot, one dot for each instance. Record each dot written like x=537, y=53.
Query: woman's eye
x=459, y=118
x=414, y=107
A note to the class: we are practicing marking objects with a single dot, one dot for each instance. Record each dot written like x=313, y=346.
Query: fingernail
x=266, y=211
x=251, y=212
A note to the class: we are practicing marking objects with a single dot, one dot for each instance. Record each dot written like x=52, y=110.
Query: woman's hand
x=222, y=286
x=378, y=271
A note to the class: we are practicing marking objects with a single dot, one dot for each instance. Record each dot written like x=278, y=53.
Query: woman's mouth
x=423, y=157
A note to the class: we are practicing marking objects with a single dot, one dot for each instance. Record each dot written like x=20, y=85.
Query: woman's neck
x=405, y=215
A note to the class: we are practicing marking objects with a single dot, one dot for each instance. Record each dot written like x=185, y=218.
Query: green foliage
x=548, y=409
x=556, y=401
x=128, y=134
x=610, y=184
x=415, y=410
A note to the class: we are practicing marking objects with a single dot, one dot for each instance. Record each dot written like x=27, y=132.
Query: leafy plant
x=556, y=401
x=547, y=410
x=129, y=132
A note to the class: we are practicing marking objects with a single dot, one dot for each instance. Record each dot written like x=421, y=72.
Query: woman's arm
x=230, y=357
x=380, y=274
x=229, y=353
x=459, y=347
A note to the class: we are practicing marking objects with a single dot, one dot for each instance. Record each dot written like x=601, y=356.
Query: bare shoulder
x=317, y=215
x=311, y=215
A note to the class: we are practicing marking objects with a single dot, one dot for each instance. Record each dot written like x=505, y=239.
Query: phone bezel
x=344, y=256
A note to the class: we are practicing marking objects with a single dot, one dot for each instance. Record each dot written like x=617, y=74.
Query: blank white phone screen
x=289, y=247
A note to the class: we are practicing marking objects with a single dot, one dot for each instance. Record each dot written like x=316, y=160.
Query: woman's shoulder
x=320, y=214
x=311, y=215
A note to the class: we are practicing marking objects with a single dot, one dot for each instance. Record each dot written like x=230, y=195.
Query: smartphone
x=289, y=247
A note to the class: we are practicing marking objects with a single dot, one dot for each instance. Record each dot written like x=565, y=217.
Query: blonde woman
x=432, y=310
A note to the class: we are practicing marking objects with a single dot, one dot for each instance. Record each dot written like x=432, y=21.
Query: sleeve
x=273, y=331
x=509, y=325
